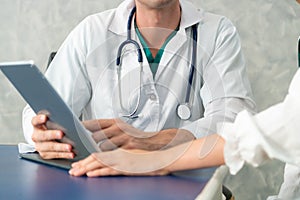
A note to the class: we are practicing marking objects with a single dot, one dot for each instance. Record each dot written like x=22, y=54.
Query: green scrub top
x=154, y=62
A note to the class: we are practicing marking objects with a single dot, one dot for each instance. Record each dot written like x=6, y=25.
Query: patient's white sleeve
x=272, y=133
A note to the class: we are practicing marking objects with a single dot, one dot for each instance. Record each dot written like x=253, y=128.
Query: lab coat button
x=152, y=97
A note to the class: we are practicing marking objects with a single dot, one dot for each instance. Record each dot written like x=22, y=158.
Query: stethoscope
x=183, y=109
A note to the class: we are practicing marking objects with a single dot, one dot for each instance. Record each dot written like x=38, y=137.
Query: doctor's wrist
x=177, y=137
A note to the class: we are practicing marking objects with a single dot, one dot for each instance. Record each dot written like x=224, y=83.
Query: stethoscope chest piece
x=184, y=111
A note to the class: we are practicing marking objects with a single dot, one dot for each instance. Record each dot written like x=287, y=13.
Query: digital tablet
x=42, y=97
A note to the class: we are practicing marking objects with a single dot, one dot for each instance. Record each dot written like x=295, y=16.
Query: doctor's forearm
x=201, y=153
x=163, y=139
x=177, y=136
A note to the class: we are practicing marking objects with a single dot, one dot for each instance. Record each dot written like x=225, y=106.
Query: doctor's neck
x=161, y=14
x=156, y=20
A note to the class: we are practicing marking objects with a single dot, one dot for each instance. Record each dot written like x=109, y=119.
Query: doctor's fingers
x=53, y=147
x=99, y=136
x=107, y=133
x=39, y=120
x=98, y=124
x=124, y=141
x=40, y=135
x=57, y=155
x=50, y=150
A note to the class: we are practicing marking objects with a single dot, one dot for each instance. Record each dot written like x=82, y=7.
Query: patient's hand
x=46, y=141
x=121, y=162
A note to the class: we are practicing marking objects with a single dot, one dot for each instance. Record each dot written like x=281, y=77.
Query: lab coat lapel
x=171, y=50
x=118, y=24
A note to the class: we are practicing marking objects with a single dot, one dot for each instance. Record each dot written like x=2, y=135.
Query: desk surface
x=23, y=179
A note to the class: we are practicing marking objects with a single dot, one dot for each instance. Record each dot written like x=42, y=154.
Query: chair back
x=51, y=56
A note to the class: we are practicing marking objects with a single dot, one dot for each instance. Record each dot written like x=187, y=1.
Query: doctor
x=190, y=57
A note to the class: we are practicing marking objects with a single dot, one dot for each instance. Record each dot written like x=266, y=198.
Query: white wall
x=31, y=29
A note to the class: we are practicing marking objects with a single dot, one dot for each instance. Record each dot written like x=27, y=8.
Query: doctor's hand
x=121, y=162
x=114, y=133
x=46, y=141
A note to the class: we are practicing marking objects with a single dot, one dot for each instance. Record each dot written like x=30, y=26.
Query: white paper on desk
x=26, y=148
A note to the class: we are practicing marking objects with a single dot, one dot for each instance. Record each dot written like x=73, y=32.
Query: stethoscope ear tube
x=299, y=51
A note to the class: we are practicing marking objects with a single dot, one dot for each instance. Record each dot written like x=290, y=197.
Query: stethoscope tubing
x=299, y=51
x=192, y=68
x=132, y=114
x=186, y=105
x=129, y=41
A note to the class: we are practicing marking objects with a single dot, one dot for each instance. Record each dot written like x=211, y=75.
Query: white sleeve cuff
x=243, y=142
x=28, y=113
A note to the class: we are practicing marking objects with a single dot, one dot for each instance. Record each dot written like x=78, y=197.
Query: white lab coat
x=84, y=73
x=273, y=133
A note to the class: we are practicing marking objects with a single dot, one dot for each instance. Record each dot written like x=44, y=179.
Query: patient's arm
x=204, y=152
